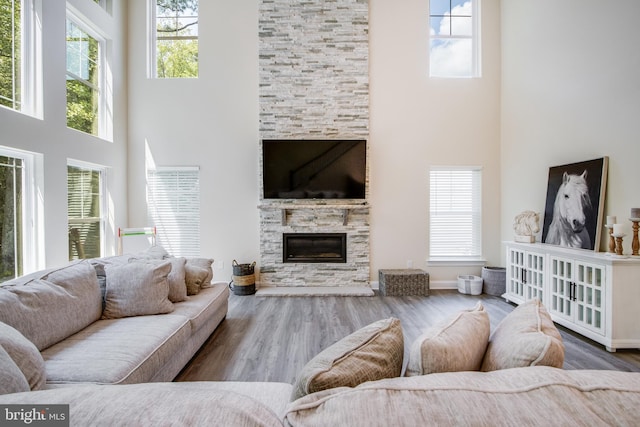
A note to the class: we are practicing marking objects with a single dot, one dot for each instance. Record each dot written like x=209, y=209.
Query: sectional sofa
x=112, y=367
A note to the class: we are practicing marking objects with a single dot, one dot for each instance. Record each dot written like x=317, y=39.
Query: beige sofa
x=127, y=331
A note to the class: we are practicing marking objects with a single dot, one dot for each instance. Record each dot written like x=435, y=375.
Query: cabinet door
x=589, y=296
x=534, y=283
x=561, y=288
x=516, y=272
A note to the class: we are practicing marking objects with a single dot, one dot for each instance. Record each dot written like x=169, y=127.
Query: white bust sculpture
x=526, y=225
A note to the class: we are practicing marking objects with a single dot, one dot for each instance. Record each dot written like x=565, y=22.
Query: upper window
x=173, y=203
x=455, y=209
x=85, y=210
x=454, y=38
x=18, y=56
x=175, y=38
x=17, y=228
x=84, y=95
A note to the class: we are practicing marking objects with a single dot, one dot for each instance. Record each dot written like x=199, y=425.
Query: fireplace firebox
x=314, y=247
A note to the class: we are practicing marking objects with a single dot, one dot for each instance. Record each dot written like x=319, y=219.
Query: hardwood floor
x=272, y=338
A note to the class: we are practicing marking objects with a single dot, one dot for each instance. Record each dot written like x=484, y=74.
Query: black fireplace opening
x=314, y=247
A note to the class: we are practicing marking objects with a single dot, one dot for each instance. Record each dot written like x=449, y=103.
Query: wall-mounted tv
x=313, y=169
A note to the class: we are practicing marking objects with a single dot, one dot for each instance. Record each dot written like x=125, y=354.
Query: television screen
x=313, y=169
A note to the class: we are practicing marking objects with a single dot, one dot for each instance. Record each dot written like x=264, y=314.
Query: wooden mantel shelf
x=344, y=207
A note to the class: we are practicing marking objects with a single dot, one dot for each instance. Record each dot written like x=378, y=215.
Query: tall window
x=455, y=228
x=18, y=56
x=173, y=201
x=175, y=38
x=17, y=220
x=85, y=211
x=454, y=38
x=83, y=79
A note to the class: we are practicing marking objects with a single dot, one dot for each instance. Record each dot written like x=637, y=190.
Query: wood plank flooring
x=272, y=338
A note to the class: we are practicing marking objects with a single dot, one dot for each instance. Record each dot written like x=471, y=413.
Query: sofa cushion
x=525, y=337
x=12, y=380
x=458, y=344
x=25, y=355
x=194, y=278
x=205, y=263
x=201, y=308
x=98, y=265
x=117, y=351
x=371, y=353
x=176, y=279
x=137, y=288
x=513, y=397
x=50, y=305
x=157, y=404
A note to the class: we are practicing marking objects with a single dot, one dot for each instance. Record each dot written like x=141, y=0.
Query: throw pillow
x=205, y=263
x=98, y=265
x=177, y=280
x=25, y=355
x=371, y=353
x=194, y=277
x=525, y=337
x=136, y=289
x=457, y=345
x=12, y=380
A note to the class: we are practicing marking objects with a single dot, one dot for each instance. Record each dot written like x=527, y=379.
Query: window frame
x=458, y=259
x=102, y=170
x=105, y=124
x=475, y=37
x=152, y=51
x=30, y=60
x=32, y=221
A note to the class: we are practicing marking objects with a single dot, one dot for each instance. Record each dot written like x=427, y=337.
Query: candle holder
x=618, y=238
x=612, y=240
x=635, y=244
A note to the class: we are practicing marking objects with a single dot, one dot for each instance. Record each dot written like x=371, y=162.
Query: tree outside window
x=176, y=38
x=11, y=230
x=83, y=80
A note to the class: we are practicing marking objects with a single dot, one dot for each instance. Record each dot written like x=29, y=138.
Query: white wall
x=417, y=122
x=212, y=122
x=51, y=138
x=570, y=92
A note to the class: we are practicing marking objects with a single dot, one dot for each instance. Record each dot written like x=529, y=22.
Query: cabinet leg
x=610, y=349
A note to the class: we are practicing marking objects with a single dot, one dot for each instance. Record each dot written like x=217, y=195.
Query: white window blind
x=455, y=227
x=173, y=200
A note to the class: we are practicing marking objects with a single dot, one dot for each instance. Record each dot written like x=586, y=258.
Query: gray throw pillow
x=205, y=263
x=371, y=353
x=177, y=279
x=457, y=345
x=136, y=289
x=194, y=278
x=25, y=355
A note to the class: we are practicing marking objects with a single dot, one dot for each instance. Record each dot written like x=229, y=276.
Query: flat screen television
x=313, y=169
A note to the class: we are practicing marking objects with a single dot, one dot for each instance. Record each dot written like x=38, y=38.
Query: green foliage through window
x=10, y=53
x=84, y=211
x=176, y=38
x=11, y=236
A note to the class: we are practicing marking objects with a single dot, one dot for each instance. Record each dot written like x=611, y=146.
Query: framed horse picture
x=575, y=204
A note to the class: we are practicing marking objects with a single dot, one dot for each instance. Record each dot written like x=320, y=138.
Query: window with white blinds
x=173, y=200
x=455, y=227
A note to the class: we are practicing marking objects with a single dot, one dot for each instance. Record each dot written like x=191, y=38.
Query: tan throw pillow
x=457, y=345
x=177, y=280
x=25, y=355
x=371, y=353
x=525, y=337
x=205, y=263
x=194, y=277
x=136, y=289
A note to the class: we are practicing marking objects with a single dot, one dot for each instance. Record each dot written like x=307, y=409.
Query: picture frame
x=574, y=205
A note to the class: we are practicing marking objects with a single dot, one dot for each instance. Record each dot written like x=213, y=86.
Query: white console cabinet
x=592, y=293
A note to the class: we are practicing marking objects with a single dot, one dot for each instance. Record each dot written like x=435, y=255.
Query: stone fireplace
x=314, y=84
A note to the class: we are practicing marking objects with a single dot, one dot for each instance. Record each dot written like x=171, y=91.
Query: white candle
x=611, y=220
x=635, y=212
x=617, y=229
